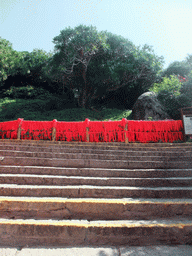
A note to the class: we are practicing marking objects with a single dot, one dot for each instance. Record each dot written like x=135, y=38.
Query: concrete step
x=31, y=179
x=101, y=146
x=58, y=233
x=94, y=163
x=93, y=209
x=86, y=191
x=105, y=156
x=96, y=172
x=60, y=193
x=77, y=150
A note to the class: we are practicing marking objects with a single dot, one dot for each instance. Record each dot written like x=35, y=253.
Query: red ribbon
x=104, y=131
x=8, y=130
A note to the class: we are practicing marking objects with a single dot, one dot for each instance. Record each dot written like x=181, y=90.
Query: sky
x=164, y=25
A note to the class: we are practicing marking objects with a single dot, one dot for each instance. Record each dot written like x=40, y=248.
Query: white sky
x=165, y=25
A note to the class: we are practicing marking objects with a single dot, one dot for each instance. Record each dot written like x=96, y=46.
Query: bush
x=186, y=89
x=168, y=93
x=171, y=85
x=172, y=103
x=27, y=92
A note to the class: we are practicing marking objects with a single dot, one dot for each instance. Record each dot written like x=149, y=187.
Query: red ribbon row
x=138, y=131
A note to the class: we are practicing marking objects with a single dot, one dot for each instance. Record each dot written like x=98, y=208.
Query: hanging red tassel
x=36, y=130
x=142, y=131
x=9, y=129
x=166, y=136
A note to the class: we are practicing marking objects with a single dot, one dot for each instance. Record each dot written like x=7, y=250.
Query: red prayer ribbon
x=8, y=130
x=99, y=131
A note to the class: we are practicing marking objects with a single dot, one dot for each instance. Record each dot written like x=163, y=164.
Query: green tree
x=170, y=84
x=29, y=71
x=107, y=70
x=33, y=65
x=97, y=64
x=186, y=91
x=124, y=71
x=181, y=68
x=9, y=60
x=76, y=47
x=173, y=94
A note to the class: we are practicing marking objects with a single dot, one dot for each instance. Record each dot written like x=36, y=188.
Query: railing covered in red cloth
x=36, y=130
x=94, y=131
x=68, y=131
x=155, y=131
x=106, y=131
x=9, y=130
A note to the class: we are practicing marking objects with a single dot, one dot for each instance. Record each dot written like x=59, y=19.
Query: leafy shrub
x=171, y=85
x=27, y=92
x=172, y=103
x=186, y=90
x=56, y=103
x=36, y=105
x=168, y=93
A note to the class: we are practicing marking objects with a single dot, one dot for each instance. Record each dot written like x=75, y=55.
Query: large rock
x=147, y=106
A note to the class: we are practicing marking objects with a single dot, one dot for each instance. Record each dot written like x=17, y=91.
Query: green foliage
x=96, y=63
x=9, y=60
x=171, y=103
x=33, y=64
x=181, y=68
x=35, y=60
x=188, y=61
x=68, y=47
x=173, y=95
x=186, y=90
x=123, y=72
x=171, y=85
x=27, y=92
x=74, y=49
x=18, y=69
x=12, y=109
x=126, y=76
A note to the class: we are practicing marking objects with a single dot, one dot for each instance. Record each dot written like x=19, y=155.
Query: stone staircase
x=59, y=193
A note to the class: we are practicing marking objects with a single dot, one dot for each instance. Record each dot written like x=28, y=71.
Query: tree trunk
x=82, y=101
x=83, y=98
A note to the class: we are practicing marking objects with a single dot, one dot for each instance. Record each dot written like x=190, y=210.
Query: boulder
x=148, y=107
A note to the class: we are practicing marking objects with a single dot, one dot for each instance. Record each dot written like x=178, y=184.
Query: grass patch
x=54, y=108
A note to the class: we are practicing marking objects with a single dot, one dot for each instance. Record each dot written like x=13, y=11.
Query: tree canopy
x=9, y=60
x=175, y=88
x=32, y=66
x=76, y=47
x=28, y=69
x=181, y=68
x=96, y=63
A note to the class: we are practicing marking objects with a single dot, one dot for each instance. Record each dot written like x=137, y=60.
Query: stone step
x=101, y=146
x=187, y=156
x=94, y=163
x=127, y=151
x=71, y=193
x=96, y=172
x=85, y=191
x=31, y=179
x=59, y=233
x=136, y=157
x=93, y=209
